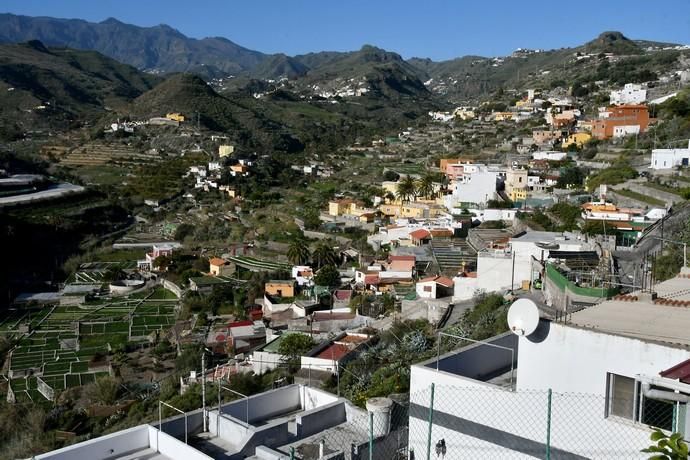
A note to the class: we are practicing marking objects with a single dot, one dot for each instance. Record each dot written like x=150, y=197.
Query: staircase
x=451, y=254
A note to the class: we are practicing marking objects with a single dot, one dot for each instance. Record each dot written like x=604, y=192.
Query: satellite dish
x=523, y=317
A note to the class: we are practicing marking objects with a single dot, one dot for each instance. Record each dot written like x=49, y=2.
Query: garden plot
x=25, y=390
x=68, y=343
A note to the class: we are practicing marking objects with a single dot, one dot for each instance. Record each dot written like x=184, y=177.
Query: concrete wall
x=116, y=444
x=175, y=426
x=464, y=288
x=266, y=453
x=311, y=398
x=581, y=366
x=524, y=251
x=494, y=273
x=321, y=418
x=494, y=423
x=265, y=405
x=264, y=361
x=246, y=438
x=174, y=288
x=668, y=198
x=171, y=447
x=319, y=364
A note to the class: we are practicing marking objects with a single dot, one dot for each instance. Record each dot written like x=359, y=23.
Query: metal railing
x=160, y=418
x=482, y=342
x=221, y=387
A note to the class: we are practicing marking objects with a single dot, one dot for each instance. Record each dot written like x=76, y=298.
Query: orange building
x=624, y=115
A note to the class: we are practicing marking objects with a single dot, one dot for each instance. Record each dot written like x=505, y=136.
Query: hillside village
x=353, y=297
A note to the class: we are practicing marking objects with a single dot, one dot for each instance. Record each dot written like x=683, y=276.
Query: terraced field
x=254, y=264
x=68, y=344
x=94, y=154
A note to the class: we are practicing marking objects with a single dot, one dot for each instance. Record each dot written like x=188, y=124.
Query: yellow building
x=503, y=116
x=516, y=179
x=518, y=194
x=348, y=207
x=412, y=210
x=577, y=139
x=464, y=113
x=175, y=117
x=339, y=207
x=225, y=150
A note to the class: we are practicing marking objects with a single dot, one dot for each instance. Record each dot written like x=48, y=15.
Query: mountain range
x=164, y=49
x=62, y=70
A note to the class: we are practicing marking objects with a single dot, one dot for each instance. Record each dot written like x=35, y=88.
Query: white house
x=625, y=130
x=304, y=275
x=670, y=158
x=434, y=287
x=630, y=94
x=483, y=215
x=478, y=188
x=497, y=271
x=549, y=155
x=615, y=370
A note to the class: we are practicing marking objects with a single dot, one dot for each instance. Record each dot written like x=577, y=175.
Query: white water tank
x=380, y=408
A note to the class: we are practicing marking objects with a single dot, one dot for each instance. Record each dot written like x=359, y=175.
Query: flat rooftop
x=536, y=237
x=644, y=318
x=489, y=361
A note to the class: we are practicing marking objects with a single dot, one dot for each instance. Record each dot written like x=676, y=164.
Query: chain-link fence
x=453, y=422
x=445, y=422
x=379, y=433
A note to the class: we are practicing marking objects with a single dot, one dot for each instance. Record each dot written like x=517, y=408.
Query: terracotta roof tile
x=420, y=234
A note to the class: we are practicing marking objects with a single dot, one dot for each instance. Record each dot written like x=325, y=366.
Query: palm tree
x=298, y=253
x=324, y=255
x=425, y=187
x=406, y=189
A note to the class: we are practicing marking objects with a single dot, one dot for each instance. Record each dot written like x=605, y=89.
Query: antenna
x=523, y=317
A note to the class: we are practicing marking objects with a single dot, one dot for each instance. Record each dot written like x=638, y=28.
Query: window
x=624, y=398
x=427, y=288
x=621, y=396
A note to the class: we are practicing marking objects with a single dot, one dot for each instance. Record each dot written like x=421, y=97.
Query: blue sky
x=439, y=29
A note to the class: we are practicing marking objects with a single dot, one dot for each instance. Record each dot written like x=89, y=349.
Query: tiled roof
x=680, y=371
x=371, y=279
x=217, y=261
x=420, y=234
x=442, y=280
x=343, y=294
x=335, y=352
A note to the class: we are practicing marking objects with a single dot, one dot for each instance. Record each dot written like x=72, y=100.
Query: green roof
x=273, y=345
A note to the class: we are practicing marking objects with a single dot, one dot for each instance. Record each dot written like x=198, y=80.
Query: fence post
x=371, y=435
x=548, y=425
x=431, y=423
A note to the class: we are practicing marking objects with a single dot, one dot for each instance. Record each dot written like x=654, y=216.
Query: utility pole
x=512, y=274
x=203, y=388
